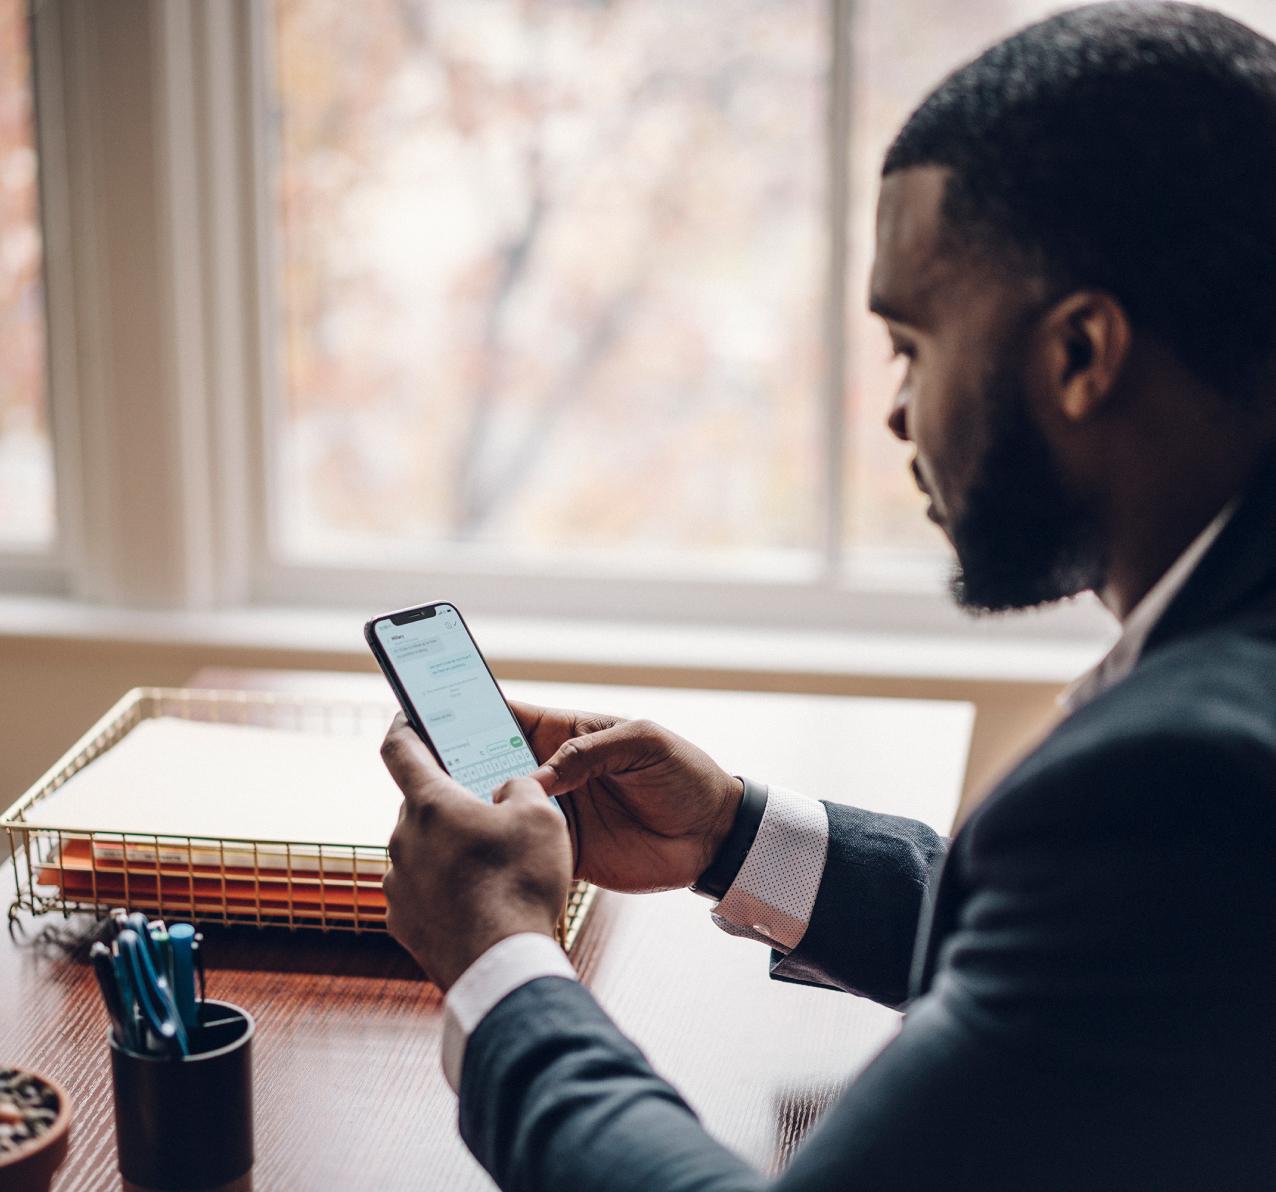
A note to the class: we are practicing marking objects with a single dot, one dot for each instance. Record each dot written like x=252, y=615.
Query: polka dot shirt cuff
x=773, y=894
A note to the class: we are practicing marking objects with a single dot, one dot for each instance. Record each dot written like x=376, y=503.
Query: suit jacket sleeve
x=864, y=922
x=1102, y=951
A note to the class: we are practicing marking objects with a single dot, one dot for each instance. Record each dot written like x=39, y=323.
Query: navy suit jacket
x=1087, y=970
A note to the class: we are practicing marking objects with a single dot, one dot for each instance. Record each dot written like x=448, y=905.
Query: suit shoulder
x=1191, y=732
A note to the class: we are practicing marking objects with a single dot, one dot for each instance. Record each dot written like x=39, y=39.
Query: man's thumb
x=585, y=757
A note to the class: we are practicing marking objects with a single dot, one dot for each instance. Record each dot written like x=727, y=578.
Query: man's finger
x=609, y=751
x=411, y=764
x=404, y=751
x=548, y=728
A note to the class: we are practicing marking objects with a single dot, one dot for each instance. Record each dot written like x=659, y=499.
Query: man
x=1076, y=257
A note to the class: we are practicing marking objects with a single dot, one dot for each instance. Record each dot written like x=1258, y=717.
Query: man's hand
x=465, y=874
x=647, y=810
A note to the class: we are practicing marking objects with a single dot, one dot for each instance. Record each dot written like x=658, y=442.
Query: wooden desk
x=349, y=1093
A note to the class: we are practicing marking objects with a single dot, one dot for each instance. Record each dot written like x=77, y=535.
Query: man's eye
x=903, y=352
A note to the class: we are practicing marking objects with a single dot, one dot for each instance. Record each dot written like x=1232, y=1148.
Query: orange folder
x=197, y=888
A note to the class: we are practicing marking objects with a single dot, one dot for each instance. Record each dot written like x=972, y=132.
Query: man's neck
x=1154, y=532
x=1133, y=575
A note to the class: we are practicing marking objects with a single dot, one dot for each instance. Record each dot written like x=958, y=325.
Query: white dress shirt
x=773, y=894
x=1142, y=618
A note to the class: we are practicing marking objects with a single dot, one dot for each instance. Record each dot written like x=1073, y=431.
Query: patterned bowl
x=35, y=1127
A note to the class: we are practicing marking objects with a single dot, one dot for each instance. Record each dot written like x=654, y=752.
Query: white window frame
x=140, y=108
x=39, y=567
x=162, y=437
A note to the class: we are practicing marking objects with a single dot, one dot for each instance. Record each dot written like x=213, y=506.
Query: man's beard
x=1022, y=538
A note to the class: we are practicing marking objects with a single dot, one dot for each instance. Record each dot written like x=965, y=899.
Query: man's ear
x=1086, y=342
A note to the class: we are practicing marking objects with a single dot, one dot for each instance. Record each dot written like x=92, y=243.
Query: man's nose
x=897, y=419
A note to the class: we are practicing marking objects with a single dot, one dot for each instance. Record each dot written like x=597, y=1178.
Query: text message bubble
x=449, y=666
x=415, y=648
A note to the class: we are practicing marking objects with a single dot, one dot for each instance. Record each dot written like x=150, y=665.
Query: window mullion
x=834, y=378
x=109, y=320
x=262, y=412
x=226, y=117
x=62, y=383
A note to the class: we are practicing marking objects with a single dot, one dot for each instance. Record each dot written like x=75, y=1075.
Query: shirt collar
x=1120, y=660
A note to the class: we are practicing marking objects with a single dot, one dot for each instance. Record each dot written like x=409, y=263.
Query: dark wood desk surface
x=349, y=1092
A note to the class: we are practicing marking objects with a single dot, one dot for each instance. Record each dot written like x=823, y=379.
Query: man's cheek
x=947, y=456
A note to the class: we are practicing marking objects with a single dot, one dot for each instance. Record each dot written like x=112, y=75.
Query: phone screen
x=456, y=699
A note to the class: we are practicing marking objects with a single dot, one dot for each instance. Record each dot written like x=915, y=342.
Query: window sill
x=712, y=656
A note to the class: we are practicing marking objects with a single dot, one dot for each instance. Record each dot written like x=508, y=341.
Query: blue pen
x=154, y=997
x=139, y=923
x=181, y=937
x=155, y=940
x=132, y=1035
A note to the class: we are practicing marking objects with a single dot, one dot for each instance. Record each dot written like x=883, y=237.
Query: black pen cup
x=187, y=1123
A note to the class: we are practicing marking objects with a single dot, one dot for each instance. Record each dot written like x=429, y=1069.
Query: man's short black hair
x=1127, y=147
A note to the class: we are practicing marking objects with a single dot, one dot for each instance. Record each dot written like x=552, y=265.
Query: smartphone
x=448, y=694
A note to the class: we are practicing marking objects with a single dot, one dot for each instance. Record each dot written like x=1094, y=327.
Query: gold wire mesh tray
x=264, y=883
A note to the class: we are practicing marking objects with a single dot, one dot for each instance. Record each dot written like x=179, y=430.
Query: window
x=26, y=455
x=567, y=278
x=556, y=306
x=553, y=276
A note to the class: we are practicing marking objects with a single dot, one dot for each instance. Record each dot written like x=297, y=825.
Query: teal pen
x=163, y=950
x=181, y=937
